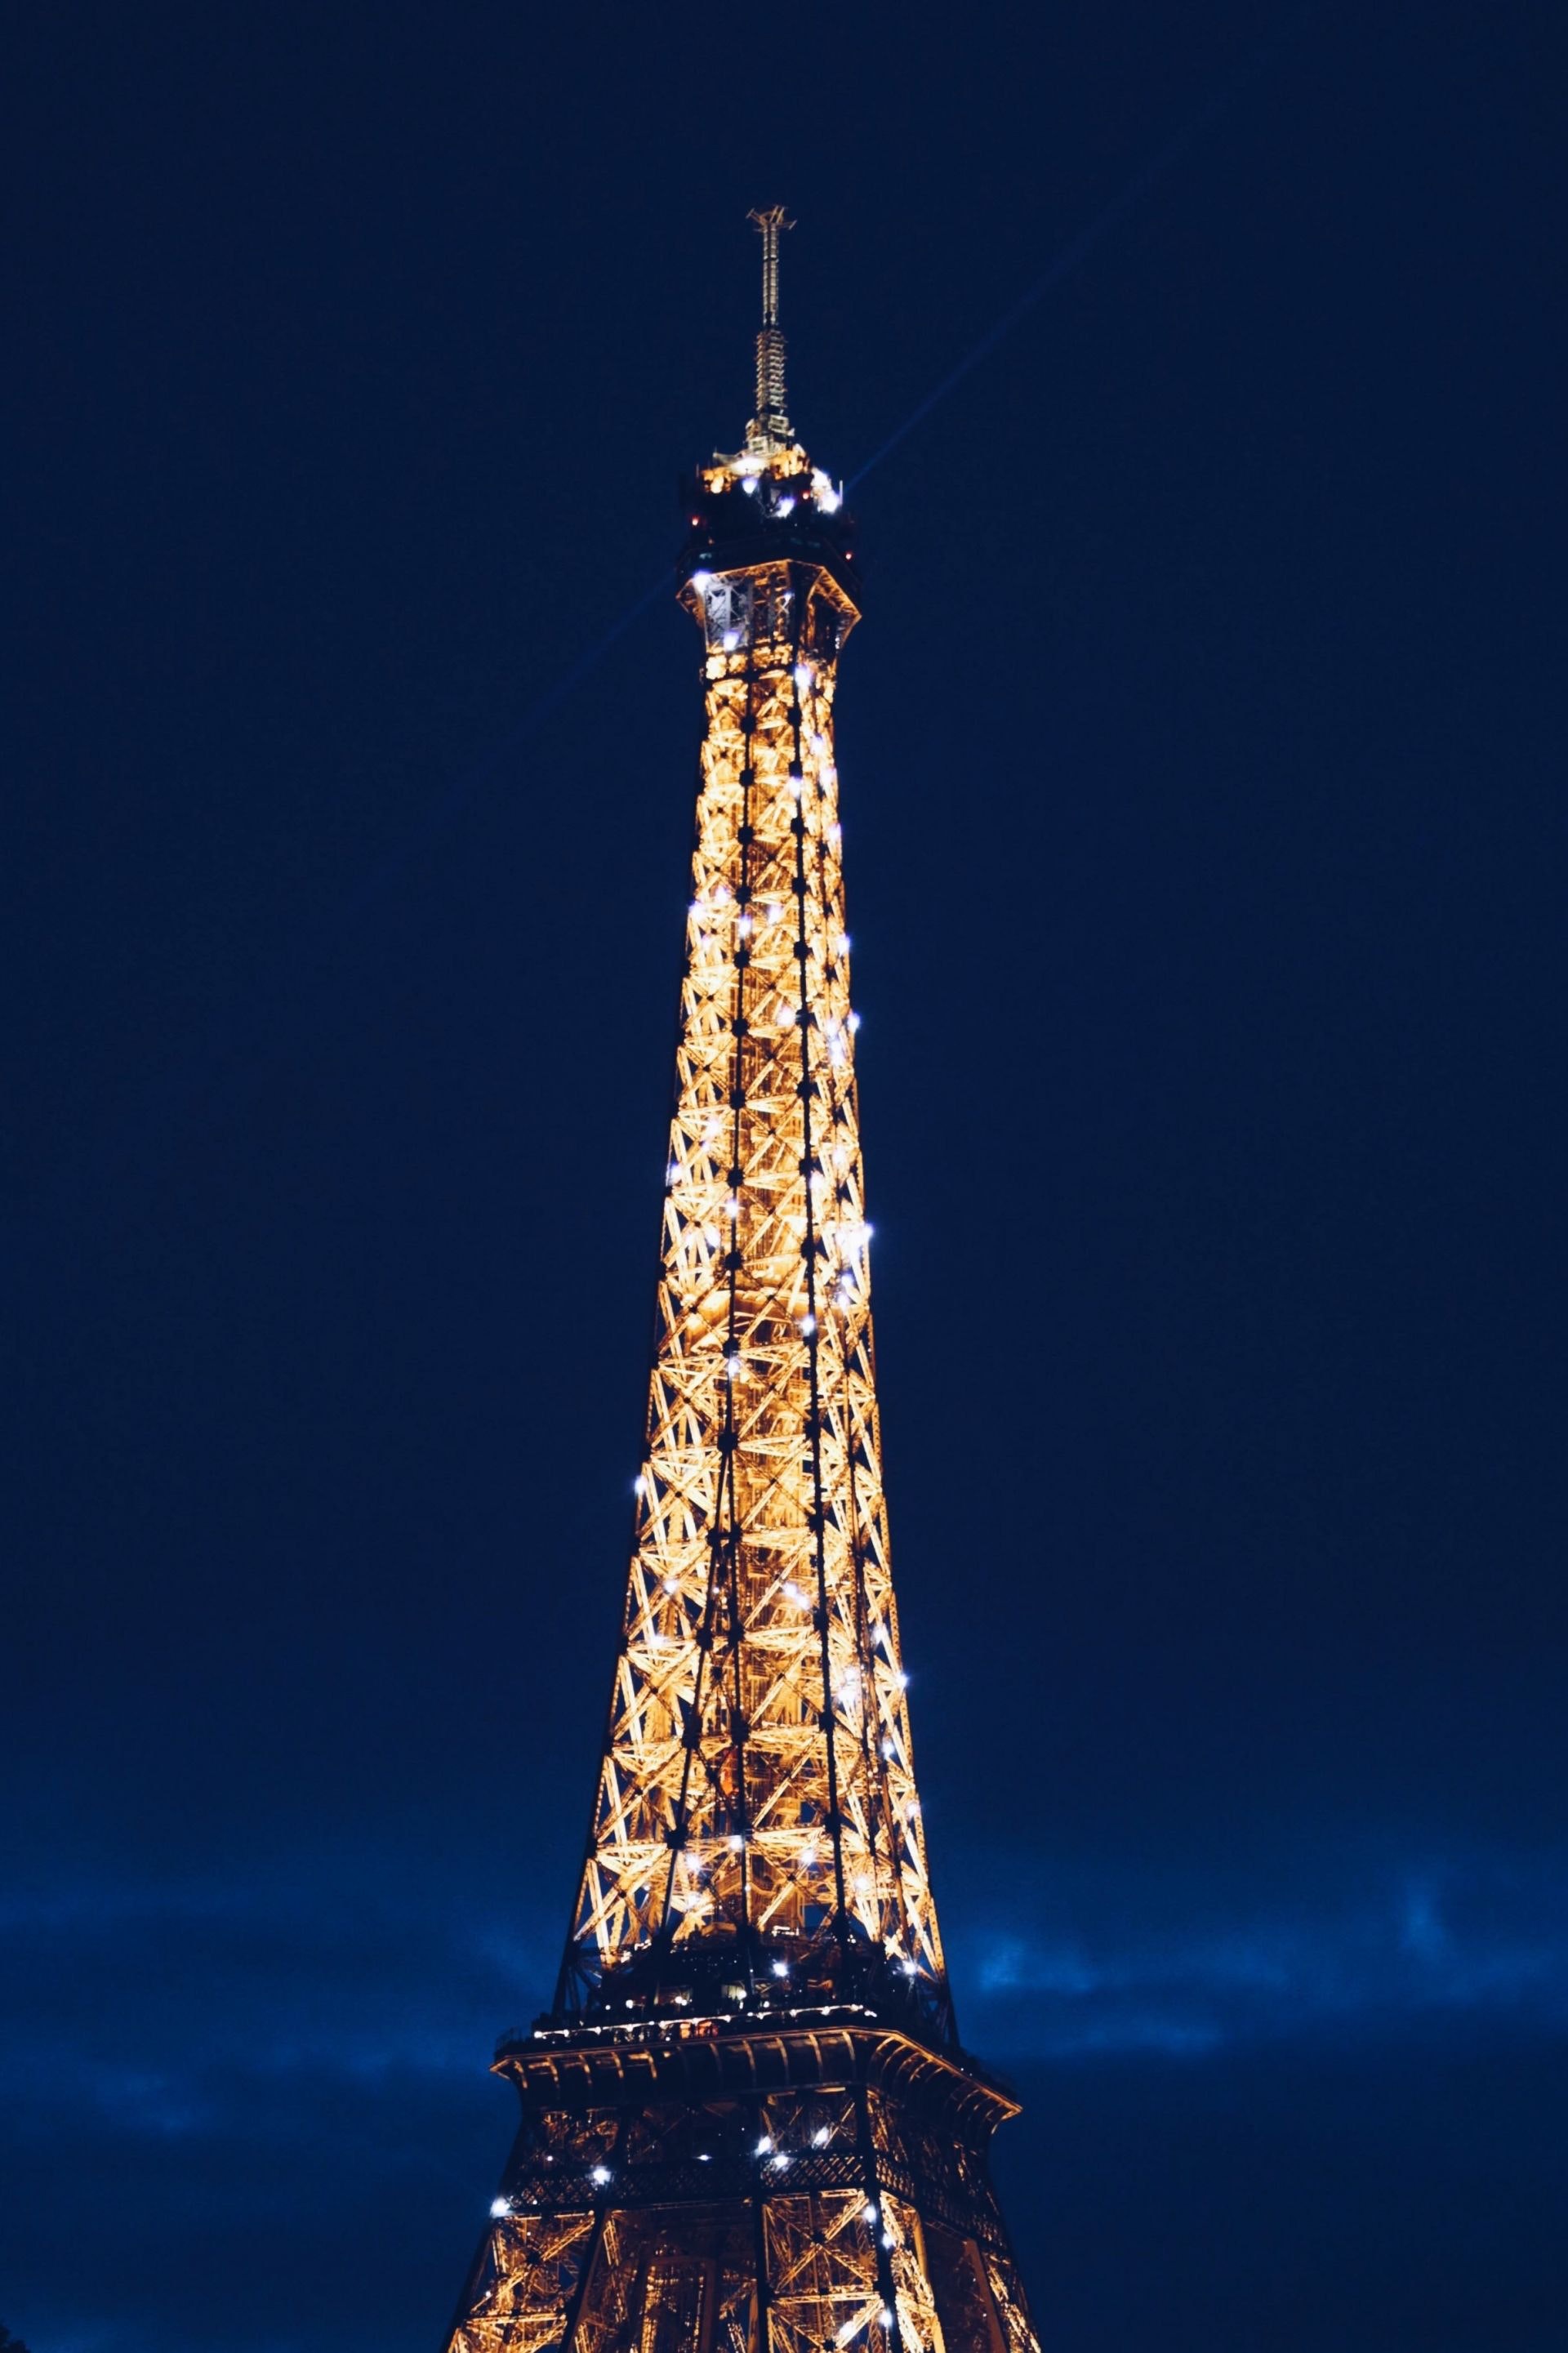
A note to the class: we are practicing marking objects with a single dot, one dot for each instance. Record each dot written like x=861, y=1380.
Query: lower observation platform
x=727, y=2077
x=790, y=2177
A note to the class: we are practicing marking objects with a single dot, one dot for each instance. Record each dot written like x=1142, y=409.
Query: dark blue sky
x=1203, y=824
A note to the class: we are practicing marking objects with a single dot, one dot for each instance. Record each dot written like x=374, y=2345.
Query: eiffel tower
x=748, y=2124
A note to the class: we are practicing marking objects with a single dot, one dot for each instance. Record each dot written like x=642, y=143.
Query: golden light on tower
x=748, y=2125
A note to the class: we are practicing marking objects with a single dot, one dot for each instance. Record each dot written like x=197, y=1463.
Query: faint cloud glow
x=1477, y=1937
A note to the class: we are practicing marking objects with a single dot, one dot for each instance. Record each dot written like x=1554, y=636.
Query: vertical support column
x=730, y=1440
x=878, y=2227
x=814, y=1321
x=765, y=2283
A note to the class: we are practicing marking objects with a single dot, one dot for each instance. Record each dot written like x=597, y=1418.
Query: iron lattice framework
x=748, y=2126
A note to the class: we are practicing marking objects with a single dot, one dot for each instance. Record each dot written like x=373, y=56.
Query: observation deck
x=768, y=506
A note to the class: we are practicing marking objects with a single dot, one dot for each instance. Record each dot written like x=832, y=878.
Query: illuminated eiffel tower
x=748, y=2125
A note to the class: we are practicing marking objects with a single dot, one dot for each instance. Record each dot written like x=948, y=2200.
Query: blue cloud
x=301, y=2048
x=1478, y=1935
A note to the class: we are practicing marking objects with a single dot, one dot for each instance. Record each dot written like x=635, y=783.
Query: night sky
x=1203, y=824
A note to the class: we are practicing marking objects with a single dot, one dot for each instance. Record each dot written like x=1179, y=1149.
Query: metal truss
x=747, y=2125
x=758, y=1782
x=795, y=2192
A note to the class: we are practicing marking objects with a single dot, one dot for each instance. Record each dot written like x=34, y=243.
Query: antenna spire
x=770, y=426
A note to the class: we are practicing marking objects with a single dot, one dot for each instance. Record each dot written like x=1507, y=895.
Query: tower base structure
x=782, y=2179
